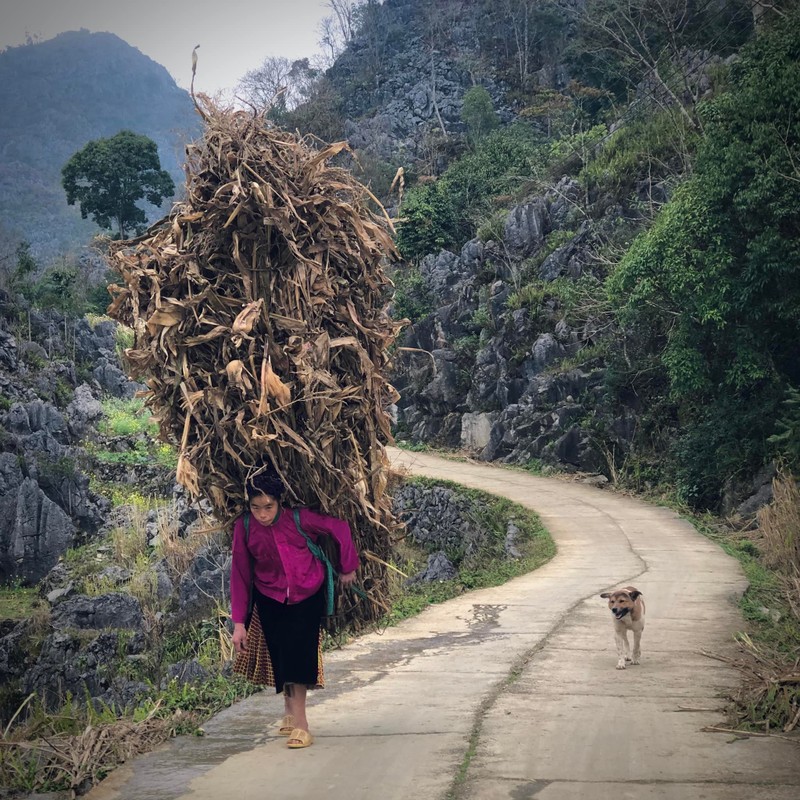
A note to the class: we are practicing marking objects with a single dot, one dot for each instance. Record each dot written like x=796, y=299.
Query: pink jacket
x=285, y=569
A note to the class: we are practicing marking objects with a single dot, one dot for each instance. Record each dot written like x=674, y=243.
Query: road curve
x=511, y=692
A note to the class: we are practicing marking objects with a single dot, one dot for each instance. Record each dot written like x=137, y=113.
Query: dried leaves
x=259, y=308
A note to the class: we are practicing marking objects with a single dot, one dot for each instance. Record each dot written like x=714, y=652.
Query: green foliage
x=17, y=602
x=108, y=177
x=573, y=151
x=651, y=147
x=444, y=214
x=493, y=228
x=126, y=418
x=787, y=439
x=412, y=298
x=715, y=283
x=478, y=114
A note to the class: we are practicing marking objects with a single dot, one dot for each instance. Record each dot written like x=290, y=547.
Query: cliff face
x=403, y=78
x=58, y=95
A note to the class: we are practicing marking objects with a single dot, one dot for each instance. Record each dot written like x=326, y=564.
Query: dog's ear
x=606, y=594
x=634, y=593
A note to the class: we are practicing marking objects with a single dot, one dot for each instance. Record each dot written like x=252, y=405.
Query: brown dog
x=627, y=606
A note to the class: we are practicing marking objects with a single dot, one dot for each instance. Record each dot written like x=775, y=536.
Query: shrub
x=412, y=298
x=478, y=114
x=444, y=214
x=650, y=147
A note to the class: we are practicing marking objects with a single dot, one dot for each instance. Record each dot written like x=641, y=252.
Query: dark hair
x=266, y=482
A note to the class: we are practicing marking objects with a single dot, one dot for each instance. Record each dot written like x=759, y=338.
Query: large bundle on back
x=259, y=309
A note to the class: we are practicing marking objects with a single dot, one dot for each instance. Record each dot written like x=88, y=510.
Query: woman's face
x=264, y=508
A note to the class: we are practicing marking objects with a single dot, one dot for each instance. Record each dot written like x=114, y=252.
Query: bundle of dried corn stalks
x=259, y=310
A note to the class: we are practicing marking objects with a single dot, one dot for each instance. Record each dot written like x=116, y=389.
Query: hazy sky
x=234, y=35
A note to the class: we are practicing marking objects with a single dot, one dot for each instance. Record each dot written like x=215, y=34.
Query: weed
x=126, y=418
x=17, y=602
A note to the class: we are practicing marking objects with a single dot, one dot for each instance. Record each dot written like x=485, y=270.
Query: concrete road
x=512, y=692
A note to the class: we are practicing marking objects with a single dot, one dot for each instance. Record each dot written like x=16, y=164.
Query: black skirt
x=292, y=636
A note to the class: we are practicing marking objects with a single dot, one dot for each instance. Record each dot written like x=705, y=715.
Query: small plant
x=531, y=296
x=493, y=228
x=412, y=298
x=126, y=418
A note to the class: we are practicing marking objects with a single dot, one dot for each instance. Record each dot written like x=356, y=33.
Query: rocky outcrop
x=34, y=531
x=440, y=519
x=117, y=610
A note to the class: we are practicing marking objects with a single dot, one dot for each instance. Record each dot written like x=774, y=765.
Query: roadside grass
x=488, y=567
x=768, y=699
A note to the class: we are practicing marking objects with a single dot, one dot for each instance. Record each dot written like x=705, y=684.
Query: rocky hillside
x=539, y=142
x=56, y=96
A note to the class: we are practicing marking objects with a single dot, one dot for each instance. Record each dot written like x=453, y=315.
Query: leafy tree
x=716, y=281
x=478, y=114
x=109, y=176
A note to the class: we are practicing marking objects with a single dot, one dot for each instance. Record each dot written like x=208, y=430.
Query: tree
x=716, y=281
x=279, y=86
x=339, y=28
x=644, y=43
x=478, y=114
x=108, y=177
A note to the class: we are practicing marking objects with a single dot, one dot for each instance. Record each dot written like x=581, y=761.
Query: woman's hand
x=348, y=578
x=239, y=637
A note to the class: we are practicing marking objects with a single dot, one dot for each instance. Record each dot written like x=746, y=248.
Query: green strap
x=330, y=571
x=319, y=554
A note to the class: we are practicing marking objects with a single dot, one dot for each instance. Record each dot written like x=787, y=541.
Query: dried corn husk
x=259, y=309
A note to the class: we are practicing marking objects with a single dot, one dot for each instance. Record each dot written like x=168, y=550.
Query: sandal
x=299, y=738
x=286, y=725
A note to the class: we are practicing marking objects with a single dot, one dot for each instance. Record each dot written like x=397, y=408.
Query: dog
x=627, y=606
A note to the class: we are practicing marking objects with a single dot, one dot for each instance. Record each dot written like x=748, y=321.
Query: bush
x=412, y=298
x=445, y=214
x=651, y=147
x=478, y=114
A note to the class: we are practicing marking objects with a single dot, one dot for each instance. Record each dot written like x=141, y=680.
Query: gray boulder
x=205, y=582
x=526, y=227
x=113, y=380
x=546, y=350
x=34, y=531
x=113, y=610
x=439, y=568
x=83, y=410
x=8, y=351
x=191, y=671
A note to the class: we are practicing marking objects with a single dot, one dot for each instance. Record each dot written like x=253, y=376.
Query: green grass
x=126, y=418
x=18, y=602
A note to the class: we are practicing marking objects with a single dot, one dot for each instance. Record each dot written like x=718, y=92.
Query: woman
x=287, y=583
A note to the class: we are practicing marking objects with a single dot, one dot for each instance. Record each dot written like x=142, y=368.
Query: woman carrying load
x=273, y=565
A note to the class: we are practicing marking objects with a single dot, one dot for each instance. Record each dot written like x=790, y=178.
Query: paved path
x=511, y=692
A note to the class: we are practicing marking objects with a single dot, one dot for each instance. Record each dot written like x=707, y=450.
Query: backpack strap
x=319, y=554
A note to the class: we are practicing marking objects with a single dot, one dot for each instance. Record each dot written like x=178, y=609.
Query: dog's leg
x=621, y=637
x=637, y=650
